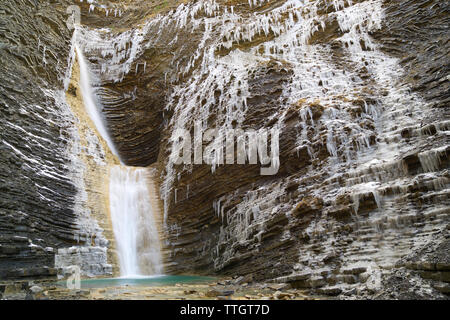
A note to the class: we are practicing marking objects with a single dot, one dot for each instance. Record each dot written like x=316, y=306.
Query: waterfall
x=132, y=216
x=312, y=69
x=90, y=100
x=133, y=222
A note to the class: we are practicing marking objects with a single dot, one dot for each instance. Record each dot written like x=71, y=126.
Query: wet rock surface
x=333, y=227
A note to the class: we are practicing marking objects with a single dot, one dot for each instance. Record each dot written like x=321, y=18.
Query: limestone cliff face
x=97, y=160
x=37, y=191
x=359, y=90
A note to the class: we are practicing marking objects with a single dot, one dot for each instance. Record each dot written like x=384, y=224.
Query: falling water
x=90, y=100
x=131, y=212
x=133, y=222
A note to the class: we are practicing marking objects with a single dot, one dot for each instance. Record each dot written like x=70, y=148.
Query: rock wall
x=342, y=212
x=94, y=258
x=359, y=90
x=46, y=203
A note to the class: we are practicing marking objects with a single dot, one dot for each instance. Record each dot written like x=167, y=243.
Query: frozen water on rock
x=430, y=160
x=316, y=77
x=134, y=226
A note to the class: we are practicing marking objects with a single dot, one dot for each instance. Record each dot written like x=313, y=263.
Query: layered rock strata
x=49, y=200
x=361, y=102
x=359, y=92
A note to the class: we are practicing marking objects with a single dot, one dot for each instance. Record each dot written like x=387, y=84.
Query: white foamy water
x=133, y=222
x=90, y=100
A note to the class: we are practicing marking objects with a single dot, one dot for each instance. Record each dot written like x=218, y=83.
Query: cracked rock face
x=358, y=89
x=37, y=190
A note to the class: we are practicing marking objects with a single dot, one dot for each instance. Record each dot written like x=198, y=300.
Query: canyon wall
x=358, y=89
x=53, y=211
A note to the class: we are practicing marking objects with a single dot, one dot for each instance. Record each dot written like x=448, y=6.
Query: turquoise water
x=151, y=281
